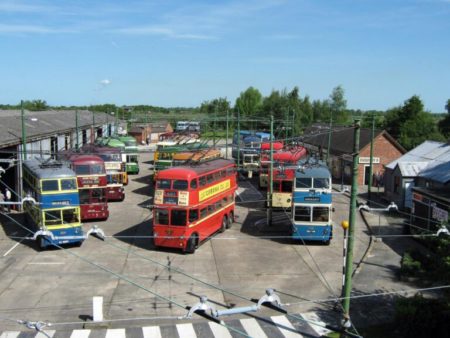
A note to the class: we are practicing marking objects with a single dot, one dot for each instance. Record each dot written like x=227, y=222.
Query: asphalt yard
x=140, y=284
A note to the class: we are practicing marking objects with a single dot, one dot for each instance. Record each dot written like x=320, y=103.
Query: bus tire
x=224, y=225
x=230, y=220
x=41, y=243
x=192, y=244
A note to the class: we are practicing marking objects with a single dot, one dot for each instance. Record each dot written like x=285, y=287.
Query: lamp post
x=24, y=134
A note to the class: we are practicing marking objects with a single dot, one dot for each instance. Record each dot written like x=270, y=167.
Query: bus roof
x=97, y=149
x=189, y=172
x=289, y=156
x=276, y=146
x=49, y=169
x=86, y=159
x=317, y=169
x=195, y=155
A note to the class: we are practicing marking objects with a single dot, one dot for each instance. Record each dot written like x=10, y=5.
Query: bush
x=422, y=317
x=409, y=266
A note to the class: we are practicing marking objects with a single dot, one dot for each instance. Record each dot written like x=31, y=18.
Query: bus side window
x=209, y=178
x=210, y=209
x=203, y=213
x=202, y=181
x=193, y=215
x=223, y=173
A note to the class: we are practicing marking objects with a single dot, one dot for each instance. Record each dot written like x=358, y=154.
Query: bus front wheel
x=191, y=244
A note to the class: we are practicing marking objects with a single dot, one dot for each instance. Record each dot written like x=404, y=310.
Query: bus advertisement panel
x=192, y=203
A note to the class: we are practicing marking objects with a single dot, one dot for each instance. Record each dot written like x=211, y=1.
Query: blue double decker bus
x=55, y=219
x=312, y=203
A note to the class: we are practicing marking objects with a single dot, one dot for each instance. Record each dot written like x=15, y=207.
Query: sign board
x=440, y=214
x=366, y=160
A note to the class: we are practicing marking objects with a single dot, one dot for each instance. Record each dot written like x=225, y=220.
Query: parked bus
x=188, y=126
x=165, y=156
x=192, y=203
x=114, y=167
x=115, y=143
x=280, y=158
x=162, y=145
x=247, y=148
x=56, y=217
x=312, y=203
x=282, y=188
x=131, y=154
x=92, y=182
x=196, y=156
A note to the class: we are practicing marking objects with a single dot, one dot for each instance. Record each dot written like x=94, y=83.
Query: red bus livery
x=91, y=177
x=192, y=203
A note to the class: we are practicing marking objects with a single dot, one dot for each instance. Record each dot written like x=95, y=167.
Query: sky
x=181, y=53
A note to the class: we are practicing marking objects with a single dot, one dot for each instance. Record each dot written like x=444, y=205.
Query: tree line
x=409, y=123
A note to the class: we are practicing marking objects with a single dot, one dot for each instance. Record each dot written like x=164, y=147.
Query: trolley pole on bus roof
x=76, y=130
x=369, y=186
x=351, y=229
x=269, y=222
x=24, y=133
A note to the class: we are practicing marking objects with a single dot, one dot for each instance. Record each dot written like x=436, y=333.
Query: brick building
x=385, y=150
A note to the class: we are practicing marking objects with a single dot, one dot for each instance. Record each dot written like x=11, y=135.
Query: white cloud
x=105, y=82
x=31, y=29
x=162, y=31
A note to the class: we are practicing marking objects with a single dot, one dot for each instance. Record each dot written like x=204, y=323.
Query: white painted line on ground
x=313, y=317
x=115, y=333
x=13, y=247
x=45, y=263
x=151, y=332
x=50, y=333
x=10, y=334
x=285, y=326
x=219, y=331
x=252, y=327
x=186, y=331
x=80, y=333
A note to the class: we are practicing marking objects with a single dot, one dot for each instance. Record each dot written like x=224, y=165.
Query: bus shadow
x=10, y=224
x=147, y=179
x=139, y=235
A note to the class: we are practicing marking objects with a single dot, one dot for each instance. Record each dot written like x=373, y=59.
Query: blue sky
x=181, y=53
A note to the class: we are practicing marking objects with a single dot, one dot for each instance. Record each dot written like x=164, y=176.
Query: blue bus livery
x=56, y=216
x=312, y=203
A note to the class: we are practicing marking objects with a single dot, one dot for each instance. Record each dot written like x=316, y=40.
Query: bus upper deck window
x=82, y=169
x=303, y=182
x=50, y=185
x=209, y=178
x=194, y=184
x=202, y=181
x=162, y=216
x=178, y=217
x=321, y=183
x=97, y=169
x=180, y=185
x=163, y=184
x=68, y=184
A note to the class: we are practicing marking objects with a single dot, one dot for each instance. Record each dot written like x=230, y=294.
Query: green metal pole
x=329, y=138
x=238, y=138
x=93, y=127
x=270, y=173
x=351, y=229
x=226, y=141
x=369, y=187
x=24, y=135
x=76, y=129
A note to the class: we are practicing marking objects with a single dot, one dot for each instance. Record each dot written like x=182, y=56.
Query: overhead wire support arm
x=391, y=206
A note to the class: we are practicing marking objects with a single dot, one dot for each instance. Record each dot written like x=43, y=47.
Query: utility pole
x=226, y=141
x=24, y=135
x=269, y=222
x=329, y=137
x=351, y=229
x=93, y=127
x=369, y=187
x=238, y=144
x=76, y=129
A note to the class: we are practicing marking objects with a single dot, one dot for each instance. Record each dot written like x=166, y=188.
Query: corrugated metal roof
x=39, y=123
x=411, y=169
x=437, y=171
x=425, y=152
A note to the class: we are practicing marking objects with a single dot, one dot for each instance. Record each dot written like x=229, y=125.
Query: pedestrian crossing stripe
x=257, y=327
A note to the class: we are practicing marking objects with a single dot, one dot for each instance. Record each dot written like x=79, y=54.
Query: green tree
x=444, y=124
x=216, y=109
x=249, y=102
x=35, y=105
x=338, y=105
x=321, y=111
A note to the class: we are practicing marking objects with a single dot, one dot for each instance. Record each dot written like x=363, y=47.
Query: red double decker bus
x=91, y=177
x=290, y=157
x=192, y=203
x=115, y=169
